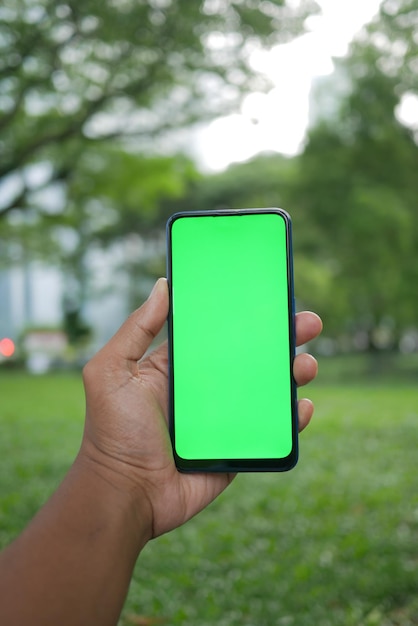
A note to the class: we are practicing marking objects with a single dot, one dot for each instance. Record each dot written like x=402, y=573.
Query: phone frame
x=236, y=465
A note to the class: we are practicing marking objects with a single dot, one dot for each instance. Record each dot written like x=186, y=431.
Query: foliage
x=357, y=181
x=393, y=36
x=77, y=73
x=115, y=198
x=332, y=542
x=87, y=89
x=353, y=191
x=263, y=181
x=268, y=180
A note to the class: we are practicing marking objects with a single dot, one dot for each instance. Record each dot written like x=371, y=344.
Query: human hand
x=126, y=435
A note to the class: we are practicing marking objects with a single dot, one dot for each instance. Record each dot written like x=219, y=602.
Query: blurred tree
x=261, y=181
x=88, y=86
x=116, y=198
x=80, y=72
x=268, y=180
x=358, y=181
x=393, y=35
x=353, y=192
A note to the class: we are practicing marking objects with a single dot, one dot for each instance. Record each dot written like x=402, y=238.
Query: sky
x=278, y=121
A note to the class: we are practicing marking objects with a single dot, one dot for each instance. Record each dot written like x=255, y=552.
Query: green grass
x=333, y=542
x=41, y=422
x=376, y=369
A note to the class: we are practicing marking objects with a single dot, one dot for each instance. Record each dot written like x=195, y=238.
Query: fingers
x=308, y=326
x=305, y=368
x=305, y=412
x=134, y=337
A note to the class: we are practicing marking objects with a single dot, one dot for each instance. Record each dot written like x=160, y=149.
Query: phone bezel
x=235, y=465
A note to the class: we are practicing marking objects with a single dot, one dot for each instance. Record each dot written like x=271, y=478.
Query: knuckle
x=89, y=372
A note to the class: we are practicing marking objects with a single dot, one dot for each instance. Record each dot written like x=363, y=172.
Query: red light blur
x=7, y=347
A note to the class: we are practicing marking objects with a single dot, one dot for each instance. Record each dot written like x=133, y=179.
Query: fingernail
x=156, y=287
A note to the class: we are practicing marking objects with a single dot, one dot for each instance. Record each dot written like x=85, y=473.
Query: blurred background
x=114, y=115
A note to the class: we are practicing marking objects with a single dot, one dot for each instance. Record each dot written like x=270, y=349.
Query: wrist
x=116, y=494
x=73, y=563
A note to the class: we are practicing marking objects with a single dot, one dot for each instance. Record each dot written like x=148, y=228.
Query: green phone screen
x=231, y=336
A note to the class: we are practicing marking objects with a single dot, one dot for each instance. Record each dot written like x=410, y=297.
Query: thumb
x=135, y=336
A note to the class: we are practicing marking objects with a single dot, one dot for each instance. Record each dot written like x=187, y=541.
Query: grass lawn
x=333, y=542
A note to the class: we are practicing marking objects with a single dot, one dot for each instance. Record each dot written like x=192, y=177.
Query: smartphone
x=232, y=395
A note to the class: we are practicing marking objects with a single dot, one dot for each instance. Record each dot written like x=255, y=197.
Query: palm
x=126, y=422
x=175, y=497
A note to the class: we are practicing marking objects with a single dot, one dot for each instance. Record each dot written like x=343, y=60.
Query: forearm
x=73, y=563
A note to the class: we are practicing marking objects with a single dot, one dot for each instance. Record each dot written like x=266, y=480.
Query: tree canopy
x=81, y=72
x=353, y=192
x=358, y=179
x=88, y=88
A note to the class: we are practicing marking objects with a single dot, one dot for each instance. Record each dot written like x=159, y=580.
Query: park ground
x=333, y=542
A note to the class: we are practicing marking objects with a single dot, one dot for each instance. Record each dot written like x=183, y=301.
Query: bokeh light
x=7, y=347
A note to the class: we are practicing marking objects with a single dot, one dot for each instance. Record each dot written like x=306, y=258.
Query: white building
x=31, y=296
